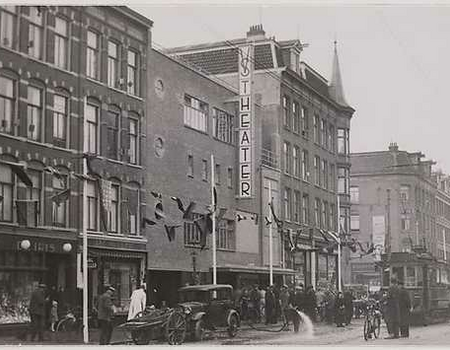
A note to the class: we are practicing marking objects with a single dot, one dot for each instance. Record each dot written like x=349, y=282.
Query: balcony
x=269, y=159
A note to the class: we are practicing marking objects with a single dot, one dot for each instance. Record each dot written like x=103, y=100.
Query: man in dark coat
x=348, y=303
x=105, y=313
x=37, y=312
x=405, y=310
x=298, y=299
x=270, y=306
x=393, y=309
x=339, y=310
x=310, y=305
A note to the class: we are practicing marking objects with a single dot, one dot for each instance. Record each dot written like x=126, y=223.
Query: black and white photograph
x=206, y=173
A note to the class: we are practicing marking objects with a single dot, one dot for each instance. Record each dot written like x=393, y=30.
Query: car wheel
x=233, y=326
x=199, y=331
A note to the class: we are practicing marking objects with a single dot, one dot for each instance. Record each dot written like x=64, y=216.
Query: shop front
x=26, y=261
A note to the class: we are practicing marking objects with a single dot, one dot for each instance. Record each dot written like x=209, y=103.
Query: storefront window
x=323, y=274
x=410, y=276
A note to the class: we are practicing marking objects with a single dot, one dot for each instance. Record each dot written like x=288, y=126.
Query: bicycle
x=70, y=326
x=372, y=323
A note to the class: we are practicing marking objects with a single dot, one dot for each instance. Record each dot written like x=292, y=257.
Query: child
x=53, y=315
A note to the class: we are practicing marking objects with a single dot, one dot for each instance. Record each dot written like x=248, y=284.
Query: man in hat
x=105, y=313
x=37, y=312
x=393, y=309
x=405, y=310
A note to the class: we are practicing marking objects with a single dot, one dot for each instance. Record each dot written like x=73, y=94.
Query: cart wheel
x=233, y=326
x=176, y=328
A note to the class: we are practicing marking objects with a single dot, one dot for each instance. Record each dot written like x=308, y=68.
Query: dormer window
x=295, y=60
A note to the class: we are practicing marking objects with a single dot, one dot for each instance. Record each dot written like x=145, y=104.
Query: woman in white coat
x=138, y=302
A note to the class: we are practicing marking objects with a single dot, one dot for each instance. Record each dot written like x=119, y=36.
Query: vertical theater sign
x=245, y=121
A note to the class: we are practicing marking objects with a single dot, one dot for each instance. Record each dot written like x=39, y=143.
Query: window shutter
x=24, y=24
x=50, y=46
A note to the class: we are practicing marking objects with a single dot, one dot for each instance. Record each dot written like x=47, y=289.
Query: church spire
x=336, y=89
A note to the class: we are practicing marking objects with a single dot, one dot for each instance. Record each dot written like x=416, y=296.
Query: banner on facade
x=245, y=123
x=378, y=235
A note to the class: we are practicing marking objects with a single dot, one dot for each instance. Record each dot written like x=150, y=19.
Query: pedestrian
x=277, y=309
x=262, y=301
x=284, y=301
x=270, y=306
x=405, y=310
x=137, y=303
x=393, y=309
x=37, y=312
x=105, y=313
x=339, y=310
x=244, y=303
x=254, y=302
x=348, y=303
x=310, y=304
x=54, y=316
x=298, y=301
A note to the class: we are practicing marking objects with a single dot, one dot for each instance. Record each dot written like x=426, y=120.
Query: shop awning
x=254, y=269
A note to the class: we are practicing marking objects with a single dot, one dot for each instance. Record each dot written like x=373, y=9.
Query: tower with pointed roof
x=336, y=87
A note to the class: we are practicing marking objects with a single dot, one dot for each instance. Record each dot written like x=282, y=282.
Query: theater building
x=69, y=74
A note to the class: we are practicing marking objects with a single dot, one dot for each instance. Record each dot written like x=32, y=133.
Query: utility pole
x=339, y=242
x=270, y=237
x=387, y=242
x=213, y=219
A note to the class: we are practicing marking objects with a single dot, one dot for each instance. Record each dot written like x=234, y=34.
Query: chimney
x=256, y=32
x=393, y=147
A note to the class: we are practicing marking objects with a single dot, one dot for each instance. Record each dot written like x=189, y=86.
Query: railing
x=269, y=158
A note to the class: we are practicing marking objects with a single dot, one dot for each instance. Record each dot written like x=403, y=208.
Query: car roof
x=205, y=287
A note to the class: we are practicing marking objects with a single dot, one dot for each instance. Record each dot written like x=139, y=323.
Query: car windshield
x=194, y=295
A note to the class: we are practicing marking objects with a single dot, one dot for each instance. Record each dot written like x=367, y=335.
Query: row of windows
x=31, y=203
x=443, y=209
x=225, y=234
x=39, y=39
x=205, y=170
x=195, y=115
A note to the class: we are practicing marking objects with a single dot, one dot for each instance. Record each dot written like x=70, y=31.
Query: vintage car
x=208, y=307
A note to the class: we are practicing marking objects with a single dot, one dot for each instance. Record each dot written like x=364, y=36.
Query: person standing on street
x=105, y=313
x=405, y=310
x=37, y=312
x=393, y=309
x=311, y=303
x=348, y=303
x=270, y=306
x=138, y=302
x=298, y=299
x=339, y=310
x=284, y=301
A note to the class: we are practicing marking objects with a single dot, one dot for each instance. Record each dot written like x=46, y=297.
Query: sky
x=394, y=59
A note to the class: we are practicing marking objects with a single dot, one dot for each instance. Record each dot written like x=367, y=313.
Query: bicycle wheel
x=367, y=327
x=65, y=328
x=377, y=327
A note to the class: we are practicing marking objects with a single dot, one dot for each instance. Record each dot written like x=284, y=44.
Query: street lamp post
x=270, y=238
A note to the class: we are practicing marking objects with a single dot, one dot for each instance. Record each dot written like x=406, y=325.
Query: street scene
x=169, y=178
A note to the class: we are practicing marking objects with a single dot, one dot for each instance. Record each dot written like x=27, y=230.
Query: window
x=324, y=176
x=59, y=120
x=305, y=165
x=113, y=134
x=331, y=137
x=410, y=276
x=195, y=113
x=405, y=223
x=354, y=194
x=190, y=161
x=332, y=179
x=344, y=219
x=343, y=141
x=317, y=212
x=7, y=105
x=132, y=72
x=226, y=238
x=59, y=209
x=92, y=206
x=113, y=214
x=35, y=32
x=354, y=222
x=296, y=161
x=133, y=210
x=223, y=126
x=35, y=194
x=322, y=140
x=305, y=208
x=61, y=40
x=297, y=206
x=295, y=117
x=230, y=178
x=287, y=203
x=134, y=141
x=93, y=56
x=191, y=232
x=204, y=170
x=324, y=219
x=343, y=183
x=317, y=170
x=7, y=25
x=404, y=193
x=34, y=113
x=286, y=115
x=6, y=192
x=113, y=64
x=304, y=120
x=217, y=174
x=287, y=158
x=92, y=128
x=331, y=217
x=316, y=129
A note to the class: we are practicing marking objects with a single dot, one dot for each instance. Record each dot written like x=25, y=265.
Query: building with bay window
x=61, y=97
x=304, y=163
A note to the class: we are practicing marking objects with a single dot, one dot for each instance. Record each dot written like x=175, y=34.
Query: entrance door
x=163, y=286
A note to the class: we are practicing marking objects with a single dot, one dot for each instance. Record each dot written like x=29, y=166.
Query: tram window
x=410, y=276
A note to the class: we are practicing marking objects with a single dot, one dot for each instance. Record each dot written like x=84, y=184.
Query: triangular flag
x=170, y=231
x=21, y=174
x=277, y=221
x=90, y=170
x=146, y=222
x=61, y=196
x=159, y=211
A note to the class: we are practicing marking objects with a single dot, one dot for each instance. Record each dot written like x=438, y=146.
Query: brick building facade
x=72, y=82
